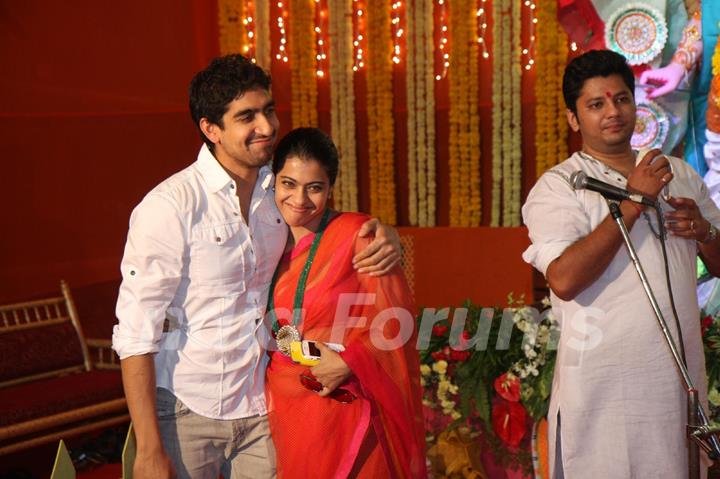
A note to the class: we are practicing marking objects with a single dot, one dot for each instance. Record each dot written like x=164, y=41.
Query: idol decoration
x=711, y=148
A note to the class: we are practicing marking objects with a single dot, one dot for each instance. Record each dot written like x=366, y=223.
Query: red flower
x=508, y=420
x=508, y=387
x=438, y=355
x=439, y=330
x=705, y=324
x=459, y=355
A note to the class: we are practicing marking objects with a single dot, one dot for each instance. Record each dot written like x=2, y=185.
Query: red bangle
x=637, y=207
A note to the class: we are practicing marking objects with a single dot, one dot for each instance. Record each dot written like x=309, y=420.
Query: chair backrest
x=41, y=338
x=63, y=467
x=128, y=454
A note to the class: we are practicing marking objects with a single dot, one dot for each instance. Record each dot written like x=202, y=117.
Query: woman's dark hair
x=214, y=88
x=308, y=144
x=595, y=63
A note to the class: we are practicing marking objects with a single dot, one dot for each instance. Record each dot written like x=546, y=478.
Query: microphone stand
x=699, y=431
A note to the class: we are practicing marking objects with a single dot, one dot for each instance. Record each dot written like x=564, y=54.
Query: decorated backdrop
x=433, y=104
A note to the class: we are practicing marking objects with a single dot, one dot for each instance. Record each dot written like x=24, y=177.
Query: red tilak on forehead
x=608, y=94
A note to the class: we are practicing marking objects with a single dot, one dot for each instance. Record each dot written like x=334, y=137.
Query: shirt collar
x=216, y=176
x=265, y=177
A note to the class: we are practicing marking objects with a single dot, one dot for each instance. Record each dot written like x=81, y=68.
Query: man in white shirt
x=618, y=406
x=201, y=251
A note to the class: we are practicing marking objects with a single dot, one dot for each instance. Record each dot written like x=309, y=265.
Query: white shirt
x=616, y=387
x=190, y=257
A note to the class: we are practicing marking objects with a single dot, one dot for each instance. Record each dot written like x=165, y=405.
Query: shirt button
x=236, y=213
x=278, y=220
x=218, y=239
x=132, y=272
x=232, y=186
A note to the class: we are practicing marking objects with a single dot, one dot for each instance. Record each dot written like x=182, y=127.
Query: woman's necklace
x=287, y=334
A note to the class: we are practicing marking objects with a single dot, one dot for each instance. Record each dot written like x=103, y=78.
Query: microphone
x=581, y=181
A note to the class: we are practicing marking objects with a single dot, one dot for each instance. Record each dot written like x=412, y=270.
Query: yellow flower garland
x=464, y=118
x=233, y=34
x=342, y=101
x=550, y=58
x=421, y=115
x=506, y=113
x=499, y=44
x=380, y=112
x=429, y=76
x=513, y=182
x=413, y=33
x=713, y=108
x=301, y=52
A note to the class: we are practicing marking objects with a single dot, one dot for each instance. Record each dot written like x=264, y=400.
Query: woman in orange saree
x=366, y=420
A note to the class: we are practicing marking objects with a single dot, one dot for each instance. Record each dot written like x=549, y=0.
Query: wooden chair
x=49, y=387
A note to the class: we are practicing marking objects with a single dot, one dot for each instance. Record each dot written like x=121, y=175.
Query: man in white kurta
x=616, y=385
x=617, y=407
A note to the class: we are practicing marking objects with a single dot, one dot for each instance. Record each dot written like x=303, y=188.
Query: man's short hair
x=214, y=88
x=595, y=63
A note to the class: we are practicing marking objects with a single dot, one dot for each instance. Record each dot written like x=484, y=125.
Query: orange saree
x=379, y=434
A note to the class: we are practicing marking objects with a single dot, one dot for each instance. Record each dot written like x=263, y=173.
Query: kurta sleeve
x=707, y=206
x=555, y=219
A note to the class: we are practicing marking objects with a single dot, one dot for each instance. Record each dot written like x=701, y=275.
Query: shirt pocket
x=217, y=263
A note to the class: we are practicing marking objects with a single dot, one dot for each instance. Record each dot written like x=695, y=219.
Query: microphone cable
x=662, y=236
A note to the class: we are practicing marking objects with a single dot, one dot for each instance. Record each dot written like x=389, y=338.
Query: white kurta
x=616, y=387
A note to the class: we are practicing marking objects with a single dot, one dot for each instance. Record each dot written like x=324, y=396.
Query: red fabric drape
x=380, y=434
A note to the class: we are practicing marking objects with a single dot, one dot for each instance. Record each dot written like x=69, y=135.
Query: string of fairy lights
x=398, y=31
x=443, y=44
x=358, y=37
x=320, y=56
x=282, y=48
x=481, y=29
x=529, y=51
x=249, y=47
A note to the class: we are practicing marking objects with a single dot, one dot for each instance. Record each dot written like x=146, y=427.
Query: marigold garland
x=513, y=182
x=713, y=108
x=421, y=115
x=301, y=52
x=464, y=118
x=342, y=100
x=506, y=113
x=551, y=53
x=380, y=112
x=430, y=135
x=233, y=34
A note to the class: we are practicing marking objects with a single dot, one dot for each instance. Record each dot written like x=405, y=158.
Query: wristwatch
x=712, y=234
